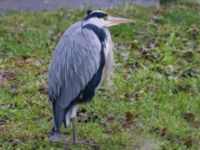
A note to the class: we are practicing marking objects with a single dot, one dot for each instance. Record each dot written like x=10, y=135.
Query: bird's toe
x=54, y=137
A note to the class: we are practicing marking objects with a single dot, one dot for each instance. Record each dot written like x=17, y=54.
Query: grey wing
x=75, y=61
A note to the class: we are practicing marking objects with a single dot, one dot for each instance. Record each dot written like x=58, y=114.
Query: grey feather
x=109, y=58
x=75, y=61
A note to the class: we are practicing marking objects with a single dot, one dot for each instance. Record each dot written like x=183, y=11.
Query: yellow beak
x=116, y=21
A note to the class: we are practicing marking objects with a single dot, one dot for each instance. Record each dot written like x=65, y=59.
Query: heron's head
x=102, y=19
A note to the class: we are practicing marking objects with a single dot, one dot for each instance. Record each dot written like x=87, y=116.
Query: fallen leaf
x=129, y=118
x=134, y=96
x=5, y=76
x=129, y=95
x=189, y=142
x=2, y=81
x=43, y=89
x=111, y=119
x=28, y=60
x=189, y=117
x=164, y=132
x=49, y=118
x=84, y=116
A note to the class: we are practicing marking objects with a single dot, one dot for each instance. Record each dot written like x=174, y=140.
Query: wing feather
x=75, y=61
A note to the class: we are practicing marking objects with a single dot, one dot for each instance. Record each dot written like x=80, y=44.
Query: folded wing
x=75, y=61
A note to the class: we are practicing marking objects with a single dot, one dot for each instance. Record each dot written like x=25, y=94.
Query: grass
x=154, y=102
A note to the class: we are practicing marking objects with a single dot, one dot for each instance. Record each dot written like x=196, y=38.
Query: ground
x=154, y=100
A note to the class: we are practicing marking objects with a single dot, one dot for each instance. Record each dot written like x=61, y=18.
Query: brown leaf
x=49, y=118
x=43, y=89
x=164, y=132
x=138, y=94
x=189, y=142
x=111, y=119
x=84, y=116
x=2, y=81
x=129, y=118
x=189, y=117
x=5, y=76
x=28, y=60
x=129, y=95
x=133, y=96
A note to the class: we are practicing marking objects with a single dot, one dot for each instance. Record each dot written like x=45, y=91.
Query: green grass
x=155, y=96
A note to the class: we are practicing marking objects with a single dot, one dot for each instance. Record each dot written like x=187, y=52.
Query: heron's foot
x=76, y=142
x=56, y=137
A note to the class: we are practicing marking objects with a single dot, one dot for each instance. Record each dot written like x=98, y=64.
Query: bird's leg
x=73, y=111
x=54, y=135
x=75, y=136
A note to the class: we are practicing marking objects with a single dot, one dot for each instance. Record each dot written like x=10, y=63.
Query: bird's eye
x=105, y=18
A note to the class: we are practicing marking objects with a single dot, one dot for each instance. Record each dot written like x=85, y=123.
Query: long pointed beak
x=116, y=21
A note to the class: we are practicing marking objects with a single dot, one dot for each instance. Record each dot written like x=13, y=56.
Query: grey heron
x=82, y=59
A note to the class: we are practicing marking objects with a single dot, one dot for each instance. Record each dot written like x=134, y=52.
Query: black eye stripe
x=96, y=14
x=89, y=11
